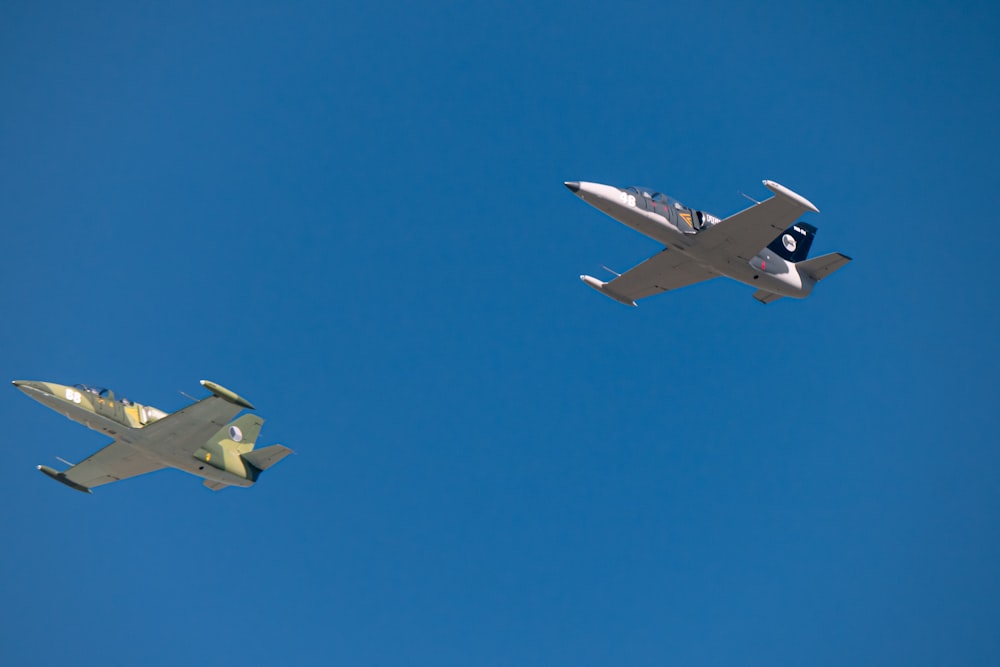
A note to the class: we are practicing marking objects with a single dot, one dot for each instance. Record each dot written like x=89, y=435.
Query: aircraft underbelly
x=654, y=226
x=789, y=284
x=199, y=469
x=178, y=455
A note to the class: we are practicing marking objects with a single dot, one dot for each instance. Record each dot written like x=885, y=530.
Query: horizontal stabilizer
x=820, y=267
x=265, y=457
x=602, y=287
x=764, y=296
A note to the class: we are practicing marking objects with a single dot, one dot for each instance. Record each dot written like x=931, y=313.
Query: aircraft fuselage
x=677, y=227
x=124, y=420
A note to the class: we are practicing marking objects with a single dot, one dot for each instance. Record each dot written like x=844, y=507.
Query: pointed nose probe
x=574, y=186
x=25, y=385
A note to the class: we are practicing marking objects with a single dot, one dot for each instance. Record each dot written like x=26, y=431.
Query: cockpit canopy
x=687, y=219
x=101, y=392
x=639, y=190
x=656, y=196
x=97, y=391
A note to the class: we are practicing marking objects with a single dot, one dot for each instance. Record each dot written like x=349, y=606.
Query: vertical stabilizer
x=794, y=243
x=240, y=433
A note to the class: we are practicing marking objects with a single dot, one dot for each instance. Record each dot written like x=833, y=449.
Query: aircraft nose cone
x=574, y=186
x=26, y=385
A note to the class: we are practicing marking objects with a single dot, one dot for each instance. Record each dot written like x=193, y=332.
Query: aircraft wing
x=188, y=429
x=666, y=270
x=744, y=234
x=115, y=462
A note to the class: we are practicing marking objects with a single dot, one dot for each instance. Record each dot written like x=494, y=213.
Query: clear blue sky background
x=353, y=214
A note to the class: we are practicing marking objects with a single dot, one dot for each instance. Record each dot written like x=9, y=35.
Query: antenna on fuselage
x=743, y=194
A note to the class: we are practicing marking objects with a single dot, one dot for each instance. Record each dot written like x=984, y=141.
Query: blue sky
x=354, y=216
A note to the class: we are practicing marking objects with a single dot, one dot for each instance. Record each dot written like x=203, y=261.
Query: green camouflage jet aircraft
x=200, y=439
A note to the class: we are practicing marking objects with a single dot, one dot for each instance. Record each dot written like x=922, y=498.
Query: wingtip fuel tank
x=62, y=479
x=601, y=287
x=227, y=394
x=787, y=193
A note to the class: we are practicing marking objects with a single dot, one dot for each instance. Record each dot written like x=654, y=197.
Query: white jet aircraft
x=762, y=246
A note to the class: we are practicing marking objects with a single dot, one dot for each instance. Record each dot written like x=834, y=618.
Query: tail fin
x=794, y=243
x=240, y=433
